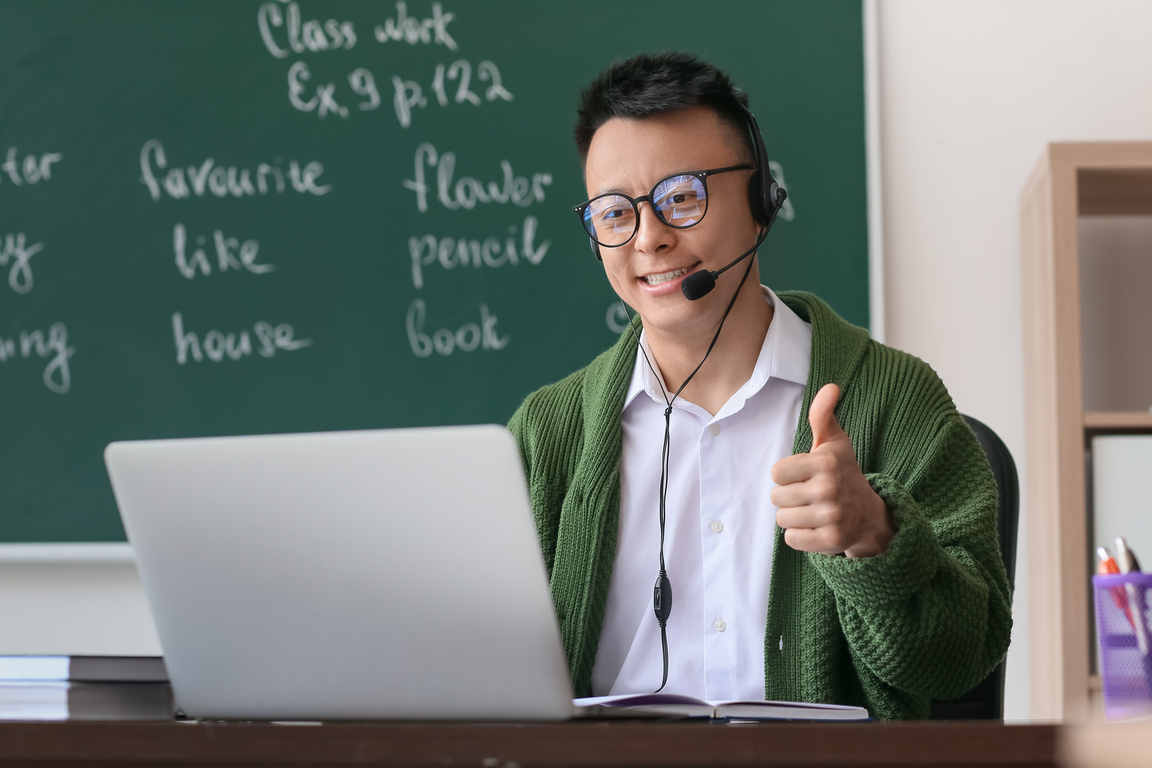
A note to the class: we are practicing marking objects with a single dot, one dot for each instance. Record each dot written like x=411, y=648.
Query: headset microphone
x=699, y=284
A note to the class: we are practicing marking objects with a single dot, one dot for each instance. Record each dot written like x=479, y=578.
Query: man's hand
x=825, y=502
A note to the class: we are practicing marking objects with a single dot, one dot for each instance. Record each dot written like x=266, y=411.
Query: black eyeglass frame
x=635, y=201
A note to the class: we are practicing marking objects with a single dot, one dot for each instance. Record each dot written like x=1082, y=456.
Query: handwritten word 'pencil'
x=451, y=252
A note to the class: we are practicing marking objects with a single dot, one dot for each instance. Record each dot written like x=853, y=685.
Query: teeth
x=665, y=276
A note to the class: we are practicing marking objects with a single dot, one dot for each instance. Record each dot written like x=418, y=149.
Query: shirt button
x=720, y=625
x=717, y=526
x=714, y=428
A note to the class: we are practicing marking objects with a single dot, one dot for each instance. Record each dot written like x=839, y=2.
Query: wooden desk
x=521, y=745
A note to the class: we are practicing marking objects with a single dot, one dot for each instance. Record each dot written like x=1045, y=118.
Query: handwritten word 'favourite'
x=230, y=254
x=467, y=338
x=220, y=181
x=450, y=252
x=17, y=255
x=467, y=192
x=32, y=170
x=51, y=346
x=289, y=32
x=218, y=345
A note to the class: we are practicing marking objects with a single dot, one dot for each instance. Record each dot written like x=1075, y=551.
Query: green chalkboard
x=232, y=217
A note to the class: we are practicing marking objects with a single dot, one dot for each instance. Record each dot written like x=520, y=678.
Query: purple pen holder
x=1124, y=626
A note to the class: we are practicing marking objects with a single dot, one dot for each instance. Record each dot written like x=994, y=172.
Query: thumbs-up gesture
x=825, y=503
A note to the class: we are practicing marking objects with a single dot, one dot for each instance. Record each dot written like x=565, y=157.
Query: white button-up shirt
x=719, y=531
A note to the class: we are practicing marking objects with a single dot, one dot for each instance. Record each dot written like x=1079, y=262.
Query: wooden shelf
x=1124, y=420
x=1071, y=181
x=1115, y=192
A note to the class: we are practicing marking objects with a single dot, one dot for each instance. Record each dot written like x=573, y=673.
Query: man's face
x=629, y=157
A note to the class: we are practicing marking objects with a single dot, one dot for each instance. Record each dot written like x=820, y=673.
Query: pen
x=1108, y=566
x=1128, y=564
x=1126, y=557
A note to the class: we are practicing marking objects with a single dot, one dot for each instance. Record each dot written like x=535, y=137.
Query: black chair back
x=986, y=700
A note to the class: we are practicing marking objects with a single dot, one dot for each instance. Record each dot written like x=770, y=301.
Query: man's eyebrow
x=620, y=191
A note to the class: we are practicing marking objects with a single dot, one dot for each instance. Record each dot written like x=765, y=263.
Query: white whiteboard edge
x=873, y=160
x=67, y=553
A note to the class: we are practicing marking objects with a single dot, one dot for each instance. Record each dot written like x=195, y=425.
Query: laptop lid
x=367, y=574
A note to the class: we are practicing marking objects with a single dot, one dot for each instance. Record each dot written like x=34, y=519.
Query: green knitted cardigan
x=927, y=619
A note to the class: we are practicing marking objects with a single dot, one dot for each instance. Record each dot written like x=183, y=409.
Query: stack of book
x=84, y=688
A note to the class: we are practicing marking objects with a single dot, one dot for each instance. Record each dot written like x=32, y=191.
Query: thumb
x=822, y=416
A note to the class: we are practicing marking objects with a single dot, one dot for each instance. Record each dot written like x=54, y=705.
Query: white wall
x=971, y=90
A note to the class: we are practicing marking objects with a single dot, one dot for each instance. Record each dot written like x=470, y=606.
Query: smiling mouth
x=664, y=277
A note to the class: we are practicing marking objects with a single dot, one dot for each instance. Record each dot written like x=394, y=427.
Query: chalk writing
x=285, y=33
x=450, y=252
x=284, y=30
x=451, y=84
x=32, y=170
x=220, y=181
x=786, y=211
x=467, y=338
x=616, y=317
x=15, y=252
x=408, y=94
x=467, y=192
x=51, y=346
x=406, y=29
x=218, y=345
x=323, y=103
x=230, y=254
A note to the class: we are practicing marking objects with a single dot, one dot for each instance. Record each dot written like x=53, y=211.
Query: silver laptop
x=370, y=574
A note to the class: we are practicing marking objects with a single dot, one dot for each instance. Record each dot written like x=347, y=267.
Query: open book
x=687, y=706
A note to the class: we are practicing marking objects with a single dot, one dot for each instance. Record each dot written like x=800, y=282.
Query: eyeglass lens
x=679, y=201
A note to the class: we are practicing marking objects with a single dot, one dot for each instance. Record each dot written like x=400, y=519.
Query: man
x=829, y=529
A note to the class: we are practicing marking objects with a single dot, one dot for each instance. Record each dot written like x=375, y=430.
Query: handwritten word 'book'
x=686, y=706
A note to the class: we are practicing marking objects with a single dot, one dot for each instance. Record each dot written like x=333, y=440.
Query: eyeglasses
x=679, y=201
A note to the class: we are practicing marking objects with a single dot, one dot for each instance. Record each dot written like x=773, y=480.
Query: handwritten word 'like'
x=467, y=191
x=450, y=252
x=32, y=171
x=287, y=33
x=467, y=338
x=230, y=254
x=219, y=181
x=234, y=346
x=14, y=251
x=51, y=346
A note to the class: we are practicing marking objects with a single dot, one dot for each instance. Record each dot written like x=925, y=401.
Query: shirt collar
x=785, y=354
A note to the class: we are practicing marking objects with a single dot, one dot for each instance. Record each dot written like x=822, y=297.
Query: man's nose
x=652, y=234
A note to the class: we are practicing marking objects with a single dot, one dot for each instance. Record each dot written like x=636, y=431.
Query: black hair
x=647, y=85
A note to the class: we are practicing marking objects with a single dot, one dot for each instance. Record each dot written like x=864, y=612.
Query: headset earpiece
x=765, y=195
